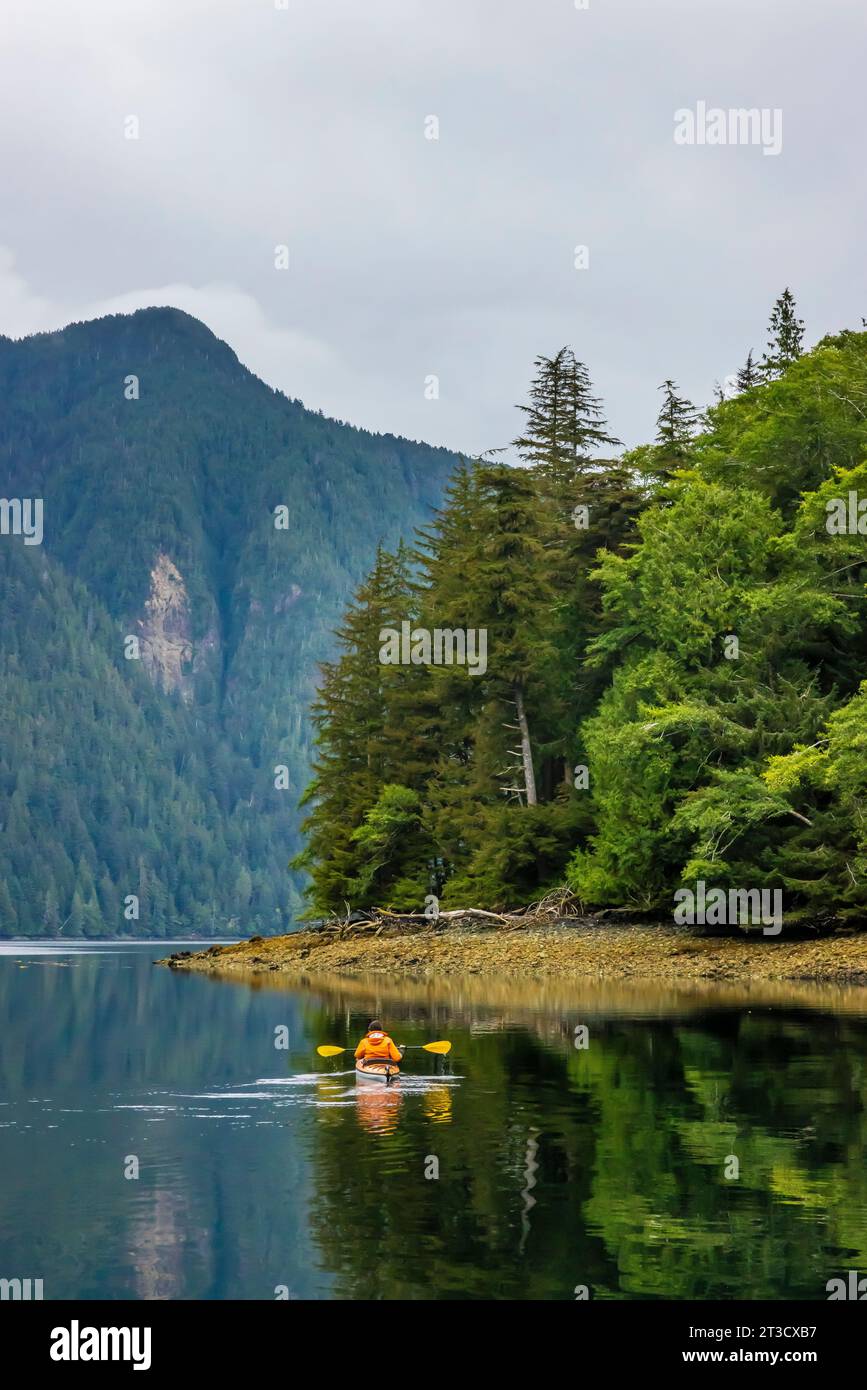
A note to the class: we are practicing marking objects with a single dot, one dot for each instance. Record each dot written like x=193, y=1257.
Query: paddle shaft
x=440, y=1048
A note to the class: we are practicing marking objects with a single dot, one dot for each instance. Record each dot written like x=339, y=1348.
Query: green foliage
x=699, y=649
x=826, y=785
x=680, y=739
x=786, y=437
x=386, y=834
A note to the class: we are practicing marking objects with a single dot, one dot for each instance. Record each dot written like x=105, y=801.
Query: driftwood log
x=556, y=906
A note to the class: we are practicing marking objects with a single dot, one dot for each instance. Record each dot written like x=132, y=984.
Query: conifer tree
x=675, y=428
x=437, y=706
x=545, y=440
x=496, y=838
x=565, y=421
x=581, y=498
x=509, y=589
x=486, y=569
x=675, y=422
x=786, y=332
x=357, y=752
x=749, y=374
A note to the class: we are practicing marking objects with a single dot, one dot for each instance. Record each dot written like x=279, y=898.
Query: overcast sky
x=411, y=257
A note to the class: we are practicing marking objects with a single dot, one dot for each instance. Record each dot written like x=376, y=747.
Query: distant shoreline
x=119, y=940
x=570, y=949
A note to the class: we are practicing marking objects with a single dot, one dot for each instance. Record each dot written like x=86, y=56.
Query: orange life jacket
x=377, y=1046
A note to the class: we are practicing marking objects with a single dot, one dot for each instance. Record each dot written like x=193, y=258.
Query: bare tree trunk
x=526, y=751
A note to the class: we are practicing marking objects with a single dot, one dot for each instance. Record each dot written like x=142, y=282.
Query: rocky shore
x=532, y=946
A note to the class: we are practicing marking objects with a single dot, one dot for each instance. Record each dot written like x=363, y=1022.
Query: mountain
x=160, y=647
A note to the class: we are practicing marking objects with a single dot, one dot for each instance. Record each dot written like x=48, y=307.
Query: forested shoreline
x=674, y=689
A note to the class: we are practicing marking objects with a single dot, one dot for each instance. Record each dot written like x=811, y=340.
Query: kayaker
x=377, y=1046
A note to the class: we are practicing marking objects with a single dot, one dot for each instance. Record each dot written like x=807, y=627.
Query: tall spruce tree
x=565, y=421
x=498, y=841
x=508, y=595
x=545, y=440
x=577, y=502
x=786, y=333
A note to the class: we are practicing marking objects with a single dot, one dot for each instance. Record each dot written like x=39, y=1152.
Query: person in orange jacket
x=377, y=1046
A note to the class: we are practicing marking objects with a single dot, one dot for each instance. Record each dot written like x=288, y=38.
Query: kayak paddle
x=442, y=1048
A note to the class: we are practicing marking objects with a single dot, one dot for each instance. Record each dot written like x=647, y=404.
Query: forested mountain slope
x=159, y=650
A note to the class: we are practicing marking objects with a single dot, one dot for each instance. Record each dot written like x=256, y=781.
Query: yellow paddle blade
x=326, y=1051
x=441, y=1047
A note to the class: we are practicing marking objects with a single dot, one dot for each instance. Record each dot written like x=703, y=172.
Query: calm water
x=558, y=1166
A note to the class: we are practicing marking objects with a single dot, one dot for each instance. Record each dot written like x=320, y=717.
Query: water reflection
x=522, y=1167
x=378, y=1107
x=437, y=1105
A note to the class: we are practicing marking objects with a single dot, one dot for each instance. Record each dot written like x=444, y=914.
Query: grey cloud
x=411, y=257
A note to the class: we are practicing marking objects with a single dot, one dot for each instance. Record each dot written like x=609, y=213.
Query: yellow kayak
x=377, y=1071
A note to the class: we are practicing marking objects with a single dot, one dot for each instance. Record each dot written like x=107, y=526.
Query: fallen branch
x=453, y=912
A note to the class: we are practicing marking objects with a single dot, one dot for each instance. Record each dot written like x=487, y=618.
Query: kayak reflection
x=378, y=1107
